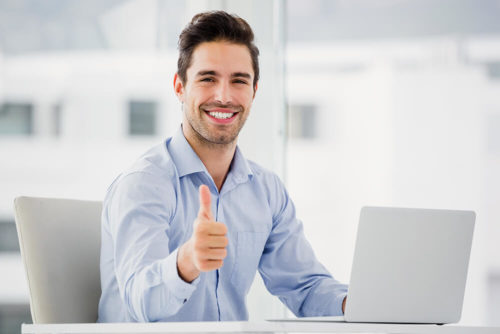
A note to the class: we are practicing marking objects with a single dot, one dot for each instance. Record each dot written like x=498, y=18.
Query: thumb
x=205, y=200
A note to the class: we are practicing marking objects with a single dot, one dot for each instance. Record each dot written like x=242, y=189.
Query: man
x=186, y=228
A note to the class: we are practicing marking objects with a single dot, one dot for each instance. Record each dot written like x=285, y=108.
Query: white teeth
x=221, y=115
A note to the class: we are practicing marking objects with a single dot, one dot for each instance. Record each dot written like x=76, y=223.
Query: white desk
x=252, y=327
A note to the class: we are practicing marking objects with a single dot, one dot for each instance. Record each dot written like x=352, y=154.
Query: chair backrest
x=60, y=246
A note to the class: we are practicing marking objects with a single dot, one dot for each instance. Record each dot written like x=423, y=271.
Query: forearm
x=325, y=298
x=156, y=291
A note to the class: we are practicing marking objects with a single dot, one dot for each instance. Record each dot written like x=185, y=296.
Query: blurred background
x=361, y=102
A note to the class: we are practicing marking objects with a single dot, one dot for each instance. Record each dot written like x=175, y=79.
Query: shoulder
x=156, y=162
x=152, y=177
x=274, y=190
x=271, y=187
x=266, y=177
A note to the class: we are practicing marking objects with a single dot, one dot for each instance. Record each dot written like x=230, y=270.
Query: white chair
x=60, y=247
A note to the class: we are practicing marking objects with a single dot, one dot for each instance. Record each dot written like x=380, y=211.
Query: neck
x=216, y=157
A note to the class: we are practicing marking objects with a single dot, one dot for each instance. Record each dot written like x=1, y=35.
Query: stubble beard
x=205, y=137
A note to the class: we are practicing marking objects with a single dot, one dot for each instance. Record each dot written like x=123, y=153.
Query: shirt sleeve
x=290, y=269
x=139, y=212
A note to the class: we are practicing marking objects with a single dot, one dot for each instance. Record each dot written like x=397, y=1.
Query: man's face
x=218, y=91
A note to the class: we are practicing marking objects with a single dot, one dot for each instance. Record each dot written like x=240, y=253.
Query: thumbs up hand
x=206, y=249
x=209, y=237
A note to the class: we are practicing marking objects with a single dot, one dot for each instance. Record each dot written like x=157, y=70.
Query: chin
x=223, y=141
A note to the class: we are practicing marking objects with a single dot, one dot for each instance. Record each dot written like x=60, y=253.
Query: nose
x=223, y=93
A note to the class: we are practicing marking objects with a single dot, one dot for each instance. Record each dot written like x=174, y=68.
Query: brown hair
x=215, y=26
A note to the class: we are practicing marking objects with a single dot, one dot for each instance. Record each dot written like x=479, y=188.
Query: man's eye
x=207, y=80
x=240, y=82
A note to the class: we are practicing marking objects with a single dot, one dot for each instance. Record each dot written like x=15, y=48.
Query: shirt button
x=185, y=300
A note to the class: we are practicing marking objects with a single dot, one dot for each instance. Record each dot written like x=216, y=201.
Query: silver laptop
x=410, y=266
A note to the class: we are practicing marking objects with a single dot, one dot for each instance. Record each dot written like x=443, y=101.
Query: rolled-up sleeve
x=289, y=267
x=139, y=212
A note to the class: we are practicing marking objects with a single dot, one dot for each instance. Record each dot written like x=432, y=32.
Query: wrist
x=185, y=264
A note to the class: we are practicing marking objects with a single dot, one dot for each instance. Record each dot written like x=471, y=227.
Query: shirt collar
x=185, y=158
x=187, y=161
x=240, y=169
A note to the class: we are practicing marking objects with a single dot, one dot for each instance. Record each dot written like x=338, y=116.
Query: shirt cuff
x=178, y=287
x=339, y=299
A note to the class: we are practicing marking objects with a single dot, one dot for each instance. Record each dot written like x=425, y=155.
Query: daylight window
x=494, y=298
x=493, y=133
x=493, y=69
x=302, y=121
x=16, y=118
x=12, y=315
x=142, y=118
x=8, y=236
x=55, y=129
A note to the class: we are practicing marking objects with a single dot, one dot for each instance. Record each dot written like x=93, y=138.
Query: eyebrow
x=234, y=75
x=202, y=73
x=241, y=75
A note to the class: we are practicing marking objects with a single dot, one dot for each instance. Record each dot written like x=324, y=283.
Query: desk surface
x=253, y=327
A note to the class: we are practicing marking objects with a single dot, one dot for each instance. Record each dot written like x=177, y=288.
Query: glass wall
x=396, y=103
x=86, y=88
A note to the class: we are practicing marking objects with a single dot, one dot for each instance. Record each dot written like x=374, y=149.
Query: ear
x=255, y=89
x=178, y=87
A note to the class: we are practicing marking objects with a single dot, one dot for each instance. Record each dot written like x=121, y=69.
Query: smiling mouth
x=221, y=115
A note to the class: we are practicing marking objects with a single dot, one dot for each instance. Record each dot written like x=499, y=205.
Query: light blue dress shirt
x=149, y=212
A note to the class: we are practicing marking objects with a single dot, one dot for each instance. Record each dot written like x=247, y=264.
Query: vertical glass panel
x=16, y=118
